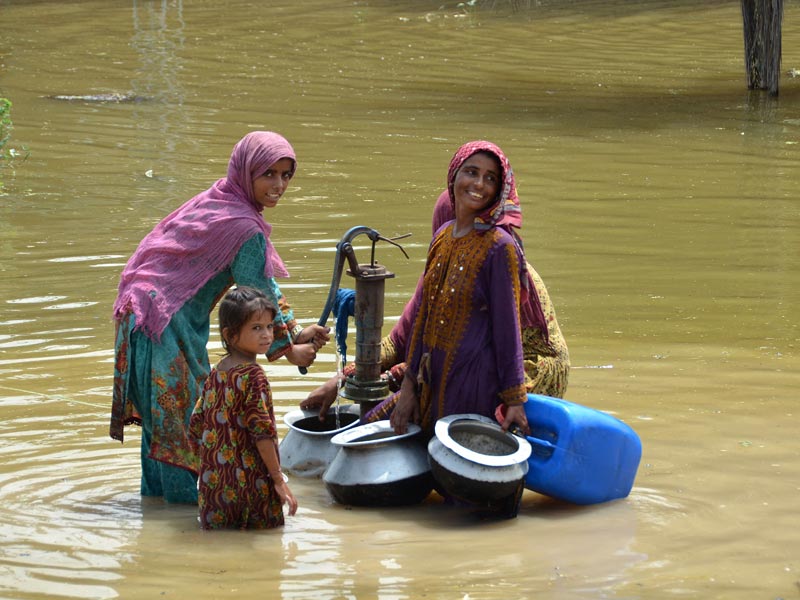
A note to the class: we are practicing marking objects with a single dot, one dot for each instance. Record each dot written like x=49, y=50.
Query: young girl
x=232, y=428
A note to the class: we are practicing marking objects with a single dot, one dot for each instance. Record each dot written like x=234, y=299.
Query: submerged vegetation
x=7, y=155
x=5, y=124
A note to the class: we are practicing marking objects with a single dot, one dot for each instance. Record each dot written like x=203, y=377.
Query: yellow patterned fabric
x=546, y=362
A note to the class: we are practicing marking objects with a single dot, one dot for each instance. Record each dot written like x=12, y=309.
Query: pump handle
x=344, y=250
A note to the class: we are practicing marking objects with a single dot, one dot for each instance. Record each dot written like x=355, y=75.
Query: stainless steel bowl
x=306, y=449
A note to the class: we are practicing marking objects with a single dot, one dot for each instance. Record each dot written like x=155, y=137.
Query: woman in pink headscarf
x=167, y=292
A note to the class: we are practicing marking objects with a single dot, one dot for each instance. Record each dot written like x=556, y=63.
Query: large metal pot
x=473, y=459
x=377, y=467
x=306, y=449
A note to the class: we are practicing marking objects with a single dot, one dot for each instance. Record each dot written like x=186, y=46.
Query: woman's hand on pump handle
x=315, y=334
x=304, y=350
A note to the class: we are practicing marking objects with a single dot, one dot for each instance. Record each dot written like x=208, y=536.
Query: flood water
x=661, y=208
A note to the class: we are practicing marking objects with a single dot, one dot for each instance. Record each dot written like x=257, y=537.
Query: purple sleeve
x=502, y=270
x=412, y=343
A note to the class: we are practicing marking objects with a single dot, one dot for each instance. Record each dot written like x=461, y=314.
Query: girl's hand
x=302, y=355
x=407, y=407
x=286, y=496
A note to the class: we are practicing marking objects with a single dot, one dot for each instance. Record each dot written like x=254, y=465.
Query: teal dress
x=156, y=384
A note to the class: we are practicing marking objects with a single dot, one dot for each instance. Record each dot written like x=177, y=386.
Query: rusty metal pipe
x=366, y=386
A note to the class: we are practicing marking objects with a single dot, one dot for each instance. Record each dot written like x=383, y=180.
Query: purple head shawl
x=505, y=212
x=201, y=238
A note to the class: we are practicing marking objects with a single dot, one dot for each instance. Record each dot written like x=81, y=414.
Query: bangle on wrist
x=296, y=331
x=280, y=475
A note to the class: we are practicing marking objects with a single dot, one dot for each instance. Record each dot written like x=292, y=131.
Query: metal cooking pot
x=306, y=449
x=473, y=459
x=377, y=467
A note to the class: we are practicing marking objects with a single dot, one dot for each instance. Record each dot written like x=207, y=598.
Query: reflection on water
x=65, y=531
x=660, y=202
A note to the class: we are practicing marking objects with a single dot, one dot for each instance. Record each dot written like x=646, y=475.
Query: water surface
x=661, y=208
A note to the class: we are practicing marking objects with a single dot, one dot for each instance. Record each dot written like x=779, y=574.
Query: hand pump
x=366, y=385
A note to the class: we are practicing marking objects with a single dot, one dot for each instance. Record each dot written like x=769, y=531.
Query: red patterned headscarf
x=201, y=238
x=505, y=212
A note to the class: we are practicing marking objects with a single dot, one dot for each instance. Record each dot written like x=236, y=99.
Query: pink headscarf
x=505, y=212
x=201, y=238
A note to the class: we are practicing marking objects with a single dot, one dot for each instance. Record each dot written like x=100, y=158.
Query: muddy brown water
x=661, y=208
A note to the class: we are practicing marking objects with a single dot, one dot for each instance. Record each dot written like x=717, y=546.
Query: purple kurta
x=465, y=339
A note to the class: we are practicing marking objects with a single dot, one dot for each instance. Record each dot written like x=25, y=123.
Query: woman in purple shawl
x=465, y=350
x=167, y=292
x=545, y=353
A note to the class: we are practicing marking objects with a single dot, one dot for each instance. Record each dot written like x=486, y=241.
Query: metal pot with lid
x=474, y=460
x=378, y=467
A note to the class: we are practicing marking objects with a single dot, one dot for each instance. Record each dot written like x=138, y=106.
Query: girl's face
x=477, y=184
x=256, y=335
x=269, y=187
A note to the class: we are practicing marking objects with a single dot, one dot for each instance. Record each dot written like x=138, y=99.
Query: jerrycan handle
x=540, y=442
x=516, y=430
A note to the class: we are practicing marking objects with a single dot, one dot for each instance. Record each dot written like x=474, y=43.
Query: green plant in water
x=5, y=124
x=7, y=155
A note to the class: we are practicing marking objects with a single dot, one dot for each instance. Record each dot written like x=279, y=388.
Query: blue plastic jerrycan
x=580, y=455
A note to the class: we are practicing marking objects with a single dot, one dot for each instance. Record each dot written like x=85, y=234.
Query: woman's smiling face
x=477, y=183
x=269, y=187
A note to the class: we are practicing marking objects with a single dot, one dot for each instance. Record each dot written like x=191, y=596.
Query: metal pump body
x=365, y=386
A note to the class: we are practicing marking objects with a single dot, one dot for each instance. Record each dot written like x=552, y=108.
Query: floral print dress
x=233, y=413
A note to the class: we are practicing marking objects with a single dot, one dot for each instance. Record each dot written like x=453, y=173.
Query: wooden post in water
x=762, y=43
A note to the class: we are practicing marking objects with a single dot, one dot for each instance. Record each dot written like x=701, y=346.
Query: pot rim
x=442, y=431
x=350, y=437
x=291, y=417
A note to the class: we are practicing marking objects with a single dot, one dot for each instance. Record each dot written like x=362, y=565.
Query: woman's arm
x=247, y=268
x=546, y=358
x=503, y=272
x=406, y=410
